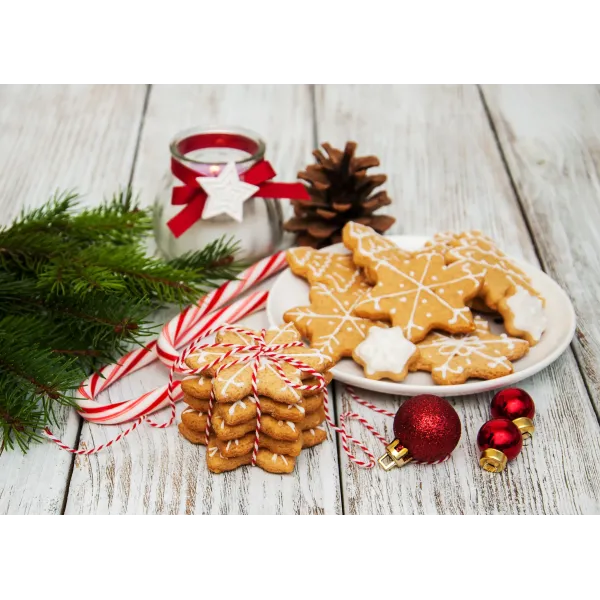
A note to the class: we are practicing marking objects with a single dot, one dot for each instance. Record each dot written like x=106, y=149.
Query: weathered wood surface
x=58, y=137
x=445, y=172
x=550, y=136
x=160, y=472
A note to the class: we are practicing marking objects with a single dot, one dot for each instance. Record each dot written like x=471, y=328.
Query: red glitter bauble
x=500, y=434
x=513, y=403
x=428, y=427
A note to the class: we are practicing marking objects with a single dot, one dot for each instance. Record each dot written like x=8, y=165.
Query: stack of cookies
x=290, y=418
x=395, y=311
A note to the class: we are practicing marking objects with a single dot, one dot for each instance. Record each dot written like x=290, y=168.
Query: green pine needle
x=77, y=290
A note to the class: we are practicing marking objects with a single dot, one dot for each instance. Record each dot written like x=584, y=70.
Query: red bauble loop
x=501, y=434
x=512, y=403
x=428, y=426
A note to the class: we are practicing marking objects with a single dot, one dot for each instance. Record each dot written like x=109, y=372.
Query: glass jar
x=207, y=152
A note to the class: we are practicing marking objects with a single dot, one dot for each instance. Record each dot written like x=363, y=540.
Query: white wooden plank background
x=164, y=473
x=551, y=139
x=445, y=172
x=55, y=137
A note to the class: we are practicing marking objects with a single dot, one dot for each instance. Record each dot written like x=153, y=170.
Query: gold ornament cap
x=493, y=460
x=395, y=456
x=526, y=427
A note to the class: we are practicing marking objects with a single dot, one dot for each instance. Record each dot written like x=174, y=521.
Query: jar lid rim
x=241, y=132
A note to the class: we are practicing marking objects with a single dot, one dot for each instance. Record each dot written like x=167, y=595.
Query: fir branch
x=77, y=290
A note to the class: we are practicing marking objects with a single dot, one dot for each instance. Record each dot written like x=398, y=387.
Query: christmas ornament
x=517, y=405
x=340, y=190
x=499, y=441
x=207, y=198
x=426, y=429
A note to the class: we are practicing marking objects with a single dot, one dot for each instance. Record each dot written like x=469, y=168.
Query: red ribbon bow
x=194, y=197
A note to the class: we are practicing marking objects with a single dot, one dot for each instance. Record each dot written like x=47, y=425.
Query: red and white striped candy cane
x=122, y=412
x=140, y=408
x=183, y=329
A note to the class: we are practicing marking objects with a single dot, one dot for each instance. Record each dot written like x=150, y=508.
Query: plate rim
x=470, y=387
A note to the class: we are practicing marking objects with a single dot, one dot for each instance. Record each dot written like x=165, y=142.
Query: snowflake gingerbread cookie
x=337, y=271
x=386, y=353
x=369, y=248
x=234, y=382
x=421, y=294
x=454, y=359
x=503, y=280
x=330, y=323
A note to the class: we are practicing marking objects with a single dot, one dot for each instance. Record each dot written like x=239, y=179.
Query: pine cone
x=340, y=191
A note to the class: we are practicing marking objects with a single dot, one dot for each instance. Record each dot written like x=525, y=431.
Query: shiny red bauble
x=428, y=427
x=513, y=403
x=501, y=434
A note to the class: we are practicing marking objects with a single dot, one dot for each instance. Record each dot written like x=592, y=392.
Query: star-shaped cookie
x=386, y=353
x=370, y=248
x=235, y=382
x=502, y=273
x=481, y=354
x=329, y=322
x=420, y=294
x=338, y=271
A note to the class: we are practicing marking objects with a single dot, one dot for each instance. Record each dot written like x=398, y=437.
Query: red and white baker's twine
x=191, y=325
x=194, y=321
x=254, y=354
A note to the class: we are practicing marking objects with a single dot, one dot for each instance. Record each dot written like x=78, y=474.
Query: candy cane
x=182, y=330
x=157, y=399
x=161, y=397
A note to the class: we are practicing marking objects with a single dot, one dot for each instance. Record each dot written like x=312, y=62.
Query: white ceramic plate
x=290, y=291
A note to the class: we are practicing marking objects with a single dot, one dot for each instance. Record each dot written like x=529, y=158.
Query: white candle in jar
x=261, y=229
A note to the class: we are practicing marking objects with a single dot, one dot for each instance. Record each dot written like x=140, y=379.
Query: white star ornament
x=226, y=194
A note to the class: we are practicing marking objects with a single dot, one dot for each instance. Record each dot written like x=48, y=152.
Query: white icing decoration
x=321, y=267
x=470, y=346
x=421, y=284
x=528, y=313
x=385, y=351
x=323, y=309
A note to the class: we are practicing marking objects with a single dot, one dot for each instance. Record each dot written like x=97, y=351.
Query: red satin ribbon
x=193, y=196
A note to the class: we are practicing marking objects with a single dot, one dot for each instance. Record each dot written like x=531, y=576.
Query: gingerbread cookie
x=421, y=294
x=312, y=437
x=524, y=314
x=241, y=411
x=369, y=248
x=503, y=279
x=280, y=430
x=199, y=388
x=191, y=435
x=386, y=353
x=245, y=444
x=196, y=403
x=235, y=382
x=265, y=459
x=337, y=271
x=194, y=420
x=481, y=354
x=329, y=323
